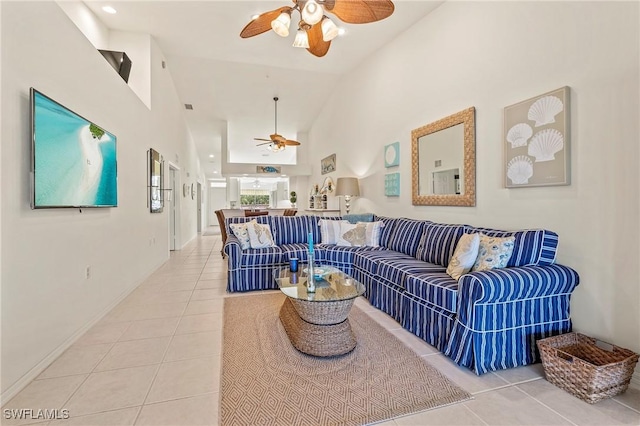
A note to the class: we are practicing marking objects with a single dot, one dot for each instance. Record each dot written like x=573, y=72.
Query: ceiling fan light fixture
x=302, y=39
x=312, y=12
x=280, y=25
x=329, y=29
x=275, y=147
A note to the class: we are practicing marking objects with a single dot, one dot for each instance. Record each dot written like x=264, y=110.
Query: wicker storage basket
x=585, y=367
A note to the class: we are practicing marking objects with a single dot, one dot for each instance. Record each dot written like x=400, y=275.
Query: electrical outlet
x=87, y=272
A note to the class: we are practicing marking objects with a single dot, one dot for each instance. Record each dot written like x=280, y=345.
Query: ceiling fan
x=315, y=29
x=277, y=142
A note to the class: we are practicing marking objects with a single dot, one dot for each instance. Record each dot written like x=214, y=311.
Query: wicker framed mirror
x=444, y=161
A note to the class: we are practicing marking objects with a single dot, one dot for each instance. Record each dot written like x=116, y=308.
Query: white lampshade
x=329, y=29
x=312, y=12
x=347, y=186
x=280, y=25
x=302, y=40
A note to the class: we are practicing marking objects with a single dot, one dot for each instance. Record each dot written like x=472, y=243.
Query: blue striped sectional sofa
x=486, y=321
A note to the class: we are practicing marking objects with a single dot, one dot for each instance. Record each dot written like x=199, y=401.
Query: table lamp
x=347, y=187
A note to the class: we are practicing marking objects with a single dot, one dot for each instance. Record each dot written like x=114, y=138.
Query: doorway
x=199, y=207
x=173, y=210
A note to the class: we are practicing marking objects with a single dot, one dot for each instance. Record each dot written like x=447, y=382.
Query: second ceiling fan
x=277, y=142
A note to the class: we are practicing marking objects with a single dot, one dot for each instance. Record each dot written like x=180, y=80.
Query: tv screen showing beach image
x=75, y=162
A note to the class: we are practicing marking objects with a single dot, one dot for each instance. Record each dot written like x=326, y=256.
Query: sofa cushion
x=268, y=256
x=531, y=246
x=437, y=288
x=368, y=260
x=396, y=270
x=439, y=242
x=341, y=255
x=291, y=229
x=299, y=250
x=387, y=229
x=406, y=236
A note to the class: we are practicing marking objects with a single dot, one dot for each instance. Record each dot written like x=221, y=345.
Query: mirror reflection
x=444, y=161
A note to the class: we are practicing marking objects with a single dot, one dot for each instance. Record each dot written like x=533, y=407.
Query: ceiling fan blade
x=291, y=143
x=266, y=143
x=261, y=139
x=361, y=11
x=317, y=46
x=262, y=23
x=276, y=138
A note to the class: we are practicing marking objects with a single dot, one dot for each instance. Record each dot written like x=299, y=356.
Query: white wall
x=46, y=301
x=493, y=54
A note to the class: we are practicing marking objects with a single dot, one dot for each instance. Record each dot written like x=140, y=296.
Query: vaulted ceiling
x=231, y=81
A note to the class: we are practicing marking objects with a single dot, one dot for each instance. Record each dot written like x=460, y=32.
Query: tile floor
x=155, y=360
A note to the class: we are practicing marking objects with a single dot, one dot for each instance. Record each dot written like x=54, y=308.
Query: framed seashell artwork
x=536, y=141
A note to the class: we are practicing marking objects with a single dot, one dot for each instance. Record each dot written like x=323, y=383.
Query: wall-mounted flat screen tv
x=74, y=162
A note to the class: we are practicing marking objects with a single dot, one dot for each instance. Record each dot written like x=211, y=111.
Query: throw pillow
x=372, y=232
x=241, y=233
x=329, y=230
x=493, y=253
x=360, y=234
x=360, y=217
x=260, y=235
x=465, y=255
x=351, y=235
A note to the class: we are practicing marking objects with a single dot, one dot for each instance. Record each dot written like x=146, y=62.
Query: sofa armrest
x=233, y=250
x=517, y=283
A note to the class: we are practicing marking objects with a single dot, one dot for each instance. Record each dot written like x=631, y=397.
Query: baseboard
x=635, y=379
x=44, y=363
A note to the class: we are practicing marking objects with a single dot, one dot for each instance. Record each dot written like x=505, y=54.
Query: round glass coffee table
x=317, y=323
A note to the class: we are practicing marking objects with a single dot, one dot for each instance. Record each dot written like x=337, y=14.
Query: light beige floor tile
x=199, y=410
x=384, y=320
x=204, y=294
x=214, y=276
x=522, y=374
x=103, y=333
x=134, y=353
x=144, y=329
x=42, y=394
x=510, y=406
x=124, y=417
x=464, y=377
x=178, y=285
x=605, y=412
x=204, y=306
x=630, y=398
x=185, y=378
x=185, y=346
x=415, y=343
x=199, y=323
x=154, y=296
x=190, y=278
x=111, y=390
x=452, y=415
x=217, y=285
x=76, y=360
x=158, y=310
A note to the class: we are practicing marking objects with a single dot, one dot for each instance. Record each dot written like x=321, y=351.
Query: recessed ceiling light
x=215, y=171
x=109, y=9
x=210, y=155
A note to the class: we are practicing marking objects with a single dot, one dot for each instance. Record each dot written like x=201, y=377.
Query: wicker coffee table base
x=315, y=339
